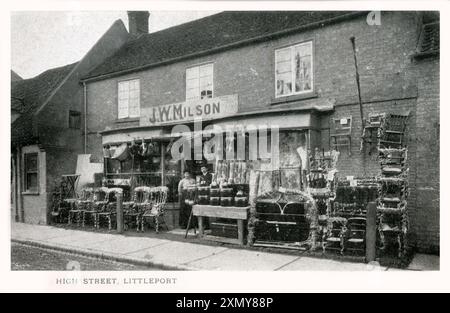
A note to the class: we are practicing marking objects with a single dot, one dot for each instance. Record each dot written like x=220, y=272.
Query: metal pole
x=119, y=218
x=352, y=39
x=85, y=116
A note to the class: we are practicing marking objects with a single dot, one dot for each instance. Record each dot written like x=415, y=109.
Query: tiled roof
x=213, y=32
x=429, y=39
x=28, y=95
x=15, y=76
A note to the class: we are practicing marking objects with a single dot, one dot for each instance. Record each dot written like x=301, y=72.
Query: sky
x=42, y=40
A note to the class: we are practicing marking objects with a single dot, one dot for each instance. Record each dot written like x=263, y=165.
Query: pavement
x=181, y=254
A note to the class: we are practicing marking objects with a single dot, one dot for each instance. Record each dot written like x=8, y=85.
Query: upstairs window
x=31, y=172
x=199, y=82
x=294, y=70
x=74, y=119
x=129, y=98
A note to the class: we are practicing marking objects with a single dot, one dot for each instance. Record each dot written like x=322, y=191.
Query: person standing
x=206, y=177
x=185, y=209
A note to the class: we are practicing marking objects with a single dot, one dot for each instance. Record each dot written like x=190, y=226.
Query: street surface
x=30, y=258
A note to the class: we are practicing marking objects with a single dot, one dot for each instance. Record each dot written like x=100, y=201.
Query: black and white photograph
x=248, y=140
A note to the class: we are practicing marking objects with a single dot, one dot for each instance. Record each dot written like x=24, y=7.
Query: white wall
x=87, y=170
x=35, y=204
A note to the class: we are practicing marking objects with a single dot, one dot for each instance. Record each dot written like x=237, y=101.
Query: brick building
x=292, y=69
x=238, y=53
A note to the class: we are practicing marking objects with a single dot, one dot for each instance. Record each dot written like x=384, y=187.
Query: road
x=28, y=258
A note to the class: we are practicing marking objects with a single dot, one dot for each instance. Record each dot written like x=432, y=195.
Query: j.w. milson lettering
x=190, y=110
x=179, y=112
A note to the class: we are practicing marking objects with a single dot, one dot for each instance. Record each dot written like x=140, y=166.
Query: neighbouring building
x=47, y=129
x=291, y=69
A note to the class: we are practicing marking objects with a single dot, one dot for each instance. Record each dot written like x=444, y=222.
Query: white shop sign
x=176, y=113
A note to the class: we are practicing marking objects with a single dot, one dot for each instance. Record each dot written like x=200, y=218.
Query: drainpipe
x=19, y=171
x=85, y=116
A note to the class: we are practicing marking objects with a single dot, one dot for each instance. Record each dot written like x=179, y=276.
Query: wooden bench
x=237, y=213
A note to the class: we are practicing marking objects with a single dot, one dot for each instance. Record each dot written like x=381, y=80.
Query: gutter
x=229, y=46
x=85, y=116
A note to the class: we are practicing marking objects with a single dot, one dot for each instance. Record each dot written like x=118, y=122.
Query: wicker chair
x=134, y=208
x=98, y=204
x=108, y=209
x=334, y=237
x=80, y=205
x=355, y=239
x=157, y=200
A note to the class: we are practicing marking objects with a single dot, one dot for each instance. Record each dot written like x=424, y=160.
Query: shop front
x=172, y=140
x=252, y=178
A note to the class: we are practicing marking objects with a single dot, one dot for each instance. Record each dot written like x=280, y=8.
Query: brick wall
x=389, y=83
x=425, y=219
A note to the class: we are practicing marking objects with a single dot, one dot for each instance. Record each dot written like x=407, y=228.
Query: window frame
x=73, y=113
x=199, y=96
x=292, y=47
x=26, y=172
x=128, y=107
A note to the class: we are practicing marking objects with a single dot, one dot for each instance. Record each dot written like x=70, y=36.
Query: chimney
x=138, y=22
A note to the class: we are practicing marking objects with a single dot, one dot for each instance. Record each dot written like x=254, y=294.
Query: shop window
x=199, y=82
x=74, y=119
x=129, y=98
x=31, y=172
x=294, y=69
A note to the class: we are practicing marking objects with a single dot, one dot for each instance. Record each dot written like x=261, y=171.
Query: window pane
x=205, y=82
x=284, y=67
x=31, y=162
x=302, y=73
x=134, y=94
x=284, y=84
x=124, y=86
x=192, y=73
x=283, y=71
x=192, y=94
x=303, y=49
x=206, y=70
x=31, y=182
x=192, y=83
x=134, y=108
x=206, y=94
x=134, y=84
x=123, y=108
x=283, y=55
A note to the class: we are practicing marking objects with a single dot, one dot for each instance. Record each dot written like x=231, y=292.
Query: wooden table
x=237, y=213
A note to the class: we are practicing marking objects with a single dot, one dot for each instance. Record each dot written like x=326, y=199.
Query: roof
x=28, y=95
x=429, y=39
x=15, y=76
x=211, y=33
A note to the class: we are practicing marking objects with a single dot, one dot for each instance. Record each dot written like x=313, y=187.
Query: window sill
x=127, y=120
x=287, y=99
x=30, y=193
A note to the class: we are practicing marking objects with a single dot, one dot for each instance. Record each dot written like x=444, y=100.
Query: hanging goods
x=121, y=153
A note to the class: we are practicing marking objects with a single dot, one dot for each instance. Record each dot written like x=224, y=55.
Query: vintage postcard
x=157, y=142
